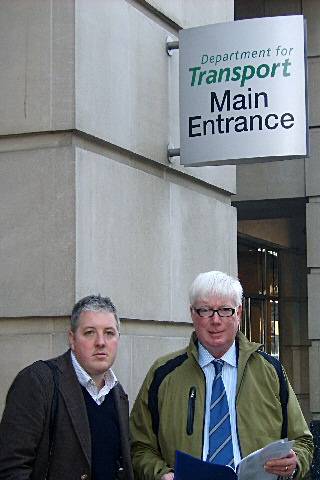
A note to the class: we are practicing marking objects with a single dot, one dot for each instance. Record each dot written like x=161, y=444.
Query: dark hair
x=92, y=303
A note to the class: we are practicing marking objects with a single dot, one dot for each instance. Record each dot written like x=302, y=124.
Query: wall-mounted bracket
x=171, y=45
x=172, y=152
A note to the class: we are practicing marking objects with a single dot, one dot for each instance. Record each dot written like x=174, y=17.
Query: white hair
x=216, y=284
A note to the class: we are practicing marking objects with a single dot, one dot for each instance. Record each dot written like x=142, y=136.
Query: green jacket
x=168, y=414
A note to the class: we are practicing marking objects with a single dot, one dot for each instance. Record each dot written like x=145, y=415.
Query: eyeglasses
x=209, y=312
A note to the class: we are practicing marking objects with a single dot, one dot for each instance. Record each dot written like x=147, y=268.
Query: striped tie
x=220, y=440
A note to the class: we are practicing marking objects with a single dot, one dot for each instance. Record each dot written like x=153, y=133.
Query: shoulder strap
x=283, y=391
x=53, y=411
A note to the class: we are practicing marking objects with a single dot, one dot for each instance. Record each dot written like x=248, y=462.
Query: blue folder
x=191, y=468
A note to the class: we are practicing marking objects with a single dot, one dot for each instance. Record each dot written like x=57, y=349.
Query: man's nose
x=100, y=339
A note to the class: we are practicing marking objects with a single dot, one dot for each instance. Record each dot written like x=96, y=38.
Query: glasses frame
x=214, y=310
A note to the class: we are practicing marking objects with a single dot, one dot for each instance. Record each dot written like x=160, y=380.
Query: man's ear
x=239, y=313
x=71, y=339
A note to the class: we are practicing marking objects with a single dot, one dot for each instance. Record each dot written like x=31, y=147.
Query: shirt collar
x=84, y=378
x=205, y=358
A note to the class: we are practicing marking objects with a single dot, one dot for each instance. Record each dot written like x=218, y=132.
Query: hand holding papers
x=250, y=467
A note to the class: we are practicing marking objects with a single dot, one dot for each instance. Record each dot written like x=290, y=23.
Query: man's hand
x=283, y=467
x=168, y=476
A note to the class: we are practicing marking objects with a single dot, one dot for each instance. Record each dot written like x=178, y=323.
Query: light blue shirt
x=229, y=377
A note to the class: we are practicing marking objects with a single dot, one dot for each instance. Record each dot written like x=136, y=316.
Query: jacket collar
x=72, y=394
x=244, y=349
x=193, y=346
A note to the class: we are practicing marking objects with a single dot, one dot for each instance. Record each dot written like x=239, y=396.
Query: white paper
x=252, y=466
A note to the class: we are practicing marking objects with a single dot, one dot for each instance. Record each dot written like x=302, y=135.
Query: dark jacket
x=24, y=429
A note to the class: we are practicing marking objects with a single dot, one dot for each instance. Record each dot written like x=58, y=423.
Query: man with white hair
x=220, y=398
x=67, y=418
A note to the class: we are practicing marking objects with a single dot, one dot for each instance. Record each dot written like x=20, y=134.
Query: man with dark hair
x=67, y=418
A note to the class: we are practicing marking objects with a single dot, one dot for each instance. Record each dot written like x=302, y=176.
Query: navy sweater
x=105, y=436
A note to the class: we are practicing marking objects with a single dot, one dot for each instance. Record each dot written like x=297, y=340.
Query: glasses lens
x=226, y=312
x=204, y=312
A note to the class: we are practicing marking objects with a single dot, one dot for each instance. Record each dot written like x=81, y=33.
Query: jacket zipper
x=204, y=403
x=204, y=410
x=191, y=409
x=236, y=400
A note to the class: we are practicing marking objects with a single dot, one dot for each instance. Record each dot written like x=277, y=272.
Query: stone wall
x=89, y=202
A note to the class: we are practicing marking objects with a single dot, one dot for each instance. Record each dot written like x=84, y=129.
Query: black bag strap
x=53, y=412
x=283, y=391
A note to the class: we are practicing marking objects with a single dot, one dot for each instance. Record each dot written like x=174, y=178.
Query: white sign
x=243, y=92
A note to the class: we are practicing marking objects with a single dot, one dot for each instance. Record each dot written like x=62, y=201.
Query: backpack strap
x=283, y=390
x=53, y=412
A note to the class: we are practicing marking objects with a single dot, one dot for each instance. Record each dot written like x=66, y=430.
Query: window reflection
x=259, y=274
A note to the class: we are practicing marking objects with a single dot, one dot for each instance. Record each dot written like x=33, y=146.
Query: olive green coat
x=166, y=390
